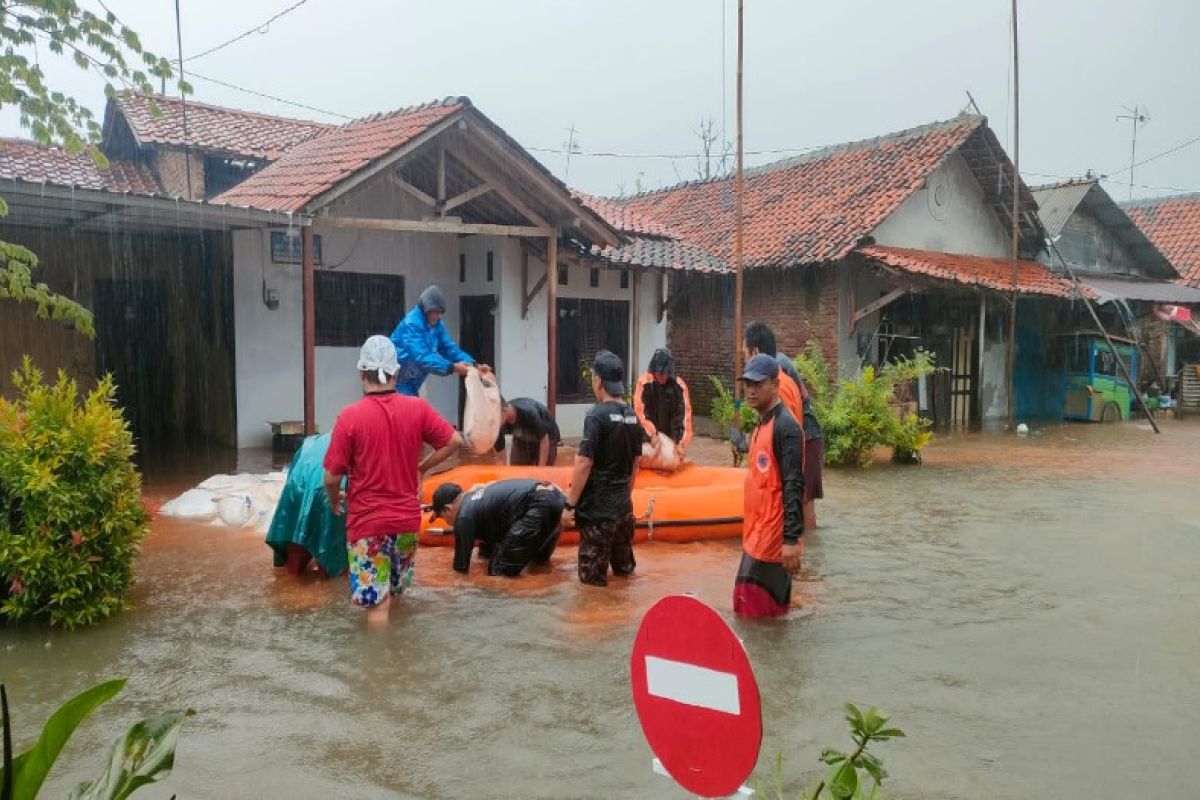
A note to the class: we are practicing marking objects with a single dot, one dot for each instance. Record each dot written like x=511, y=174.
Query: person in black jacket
x=534, y=431
x=662, y=401
x=516, y=522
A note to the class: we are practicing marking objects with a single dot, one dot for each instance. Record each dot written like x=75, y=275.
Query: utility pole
x=1136, y=117
x=1016, y=228
x=737, y=226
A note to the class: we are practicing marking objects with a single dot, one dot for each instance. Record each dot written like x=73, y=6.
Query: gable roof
x=23, y=160
x=1058, y=202
x=648, y=243
x=816, y=208
x=222, y=131
x=312, y=168
x=1173, y=224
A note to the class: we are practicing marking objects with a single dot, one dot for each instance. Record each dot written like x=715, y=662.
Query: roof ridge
x=1159, y=200
x=161, y=98
x=1061, y=184
x=445, y=102
x=817, y=154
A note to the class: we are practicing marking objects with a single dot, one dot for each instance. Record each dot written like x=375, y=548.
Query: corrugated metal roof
x=1057, y=203
x=1153, y=291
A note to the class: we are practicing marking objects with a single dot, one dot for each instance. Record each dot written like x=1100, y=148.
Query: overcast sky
x=637, y=76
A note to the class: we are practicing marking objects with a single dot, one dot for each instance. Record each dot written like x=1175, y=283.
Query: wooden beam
x=872, y=307
x=487, y=176
x=431, y=226
x=310, y=331
x=441, y=176
x=552, y=324
x=466, y=197
x=400, y=183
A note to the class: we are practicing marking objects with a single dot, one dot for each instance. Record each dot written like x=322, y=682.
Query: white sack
x=192, y=504
x=481, y=416
x=661, y=454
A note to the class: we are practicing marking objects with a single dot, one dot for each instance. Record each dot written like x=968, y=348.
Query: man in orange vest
x=773, y=520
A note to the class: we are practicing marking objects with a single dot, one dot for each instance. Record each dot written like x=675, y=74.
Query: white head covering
x=378, y=353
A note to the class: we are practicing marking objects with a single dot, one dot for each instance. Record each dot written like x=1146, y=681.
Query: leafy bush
x=723, y=409
x=855, y=416
x=143, y=755
x=71, y=515
x=846, y=773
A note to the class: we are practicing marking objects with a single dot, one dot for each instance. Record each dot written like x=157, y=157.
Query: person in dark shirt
x=534, y=431
x=602, y=483
x=516, y=522
x=773, y=521
x=662, y=400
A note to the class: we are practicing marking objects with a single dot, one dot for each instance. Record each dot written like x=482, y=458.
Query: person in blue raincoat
x=423, y=345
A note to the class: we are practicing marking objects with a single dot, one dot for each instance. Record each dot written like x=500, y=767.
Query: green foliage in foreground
x=143, y=755
x=71, y=515
x=846, y=773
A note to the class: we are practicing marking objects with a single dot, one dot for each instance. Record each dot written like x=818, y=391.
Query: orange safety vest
x=790, y=394
x=639, y=408
x=762, y=514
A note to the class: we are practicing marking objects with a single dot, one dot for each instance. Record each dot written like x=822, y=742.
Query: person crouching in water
x=773, y=526
x=535, y=433
x=601, y=495
x=516, y=522
x=377, y=442
x=663, y=403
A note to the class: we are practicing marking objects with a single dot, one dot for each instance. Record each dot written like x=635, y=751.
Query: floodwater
x=1026, y=609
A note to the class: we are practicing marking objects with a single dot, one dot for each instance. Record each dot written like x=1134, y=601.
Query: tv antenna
x=1138, y=118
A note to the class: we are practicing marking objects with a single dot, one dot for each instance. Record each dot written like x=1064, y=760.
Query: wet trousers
x=602, y=544
x=532, y=538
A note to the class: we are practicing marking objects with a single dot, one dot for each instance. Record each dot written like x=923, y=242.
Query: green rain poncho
x=303, y=515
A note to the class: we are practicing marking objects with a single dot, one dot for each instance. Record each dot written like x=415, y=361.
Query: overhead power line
x=256, y=29
x=1163, y=154
x=670, y=156
x=285, y=101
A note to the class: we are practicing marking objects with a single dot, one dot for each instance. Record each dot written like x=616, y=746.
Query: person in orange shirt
x=773, y=520
x=662, y=401
x=759, y=338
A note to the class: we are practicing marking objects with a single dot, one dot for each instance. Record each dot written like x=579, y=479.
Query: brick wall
x=171, y=168
x=799, y=304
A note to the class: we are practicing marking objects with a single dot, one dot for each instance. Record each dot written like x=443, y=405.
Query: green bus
x=1096, y=389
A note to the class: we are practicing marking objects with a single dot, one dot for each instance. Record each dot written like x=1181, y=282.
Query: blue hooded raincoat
x=421, y=348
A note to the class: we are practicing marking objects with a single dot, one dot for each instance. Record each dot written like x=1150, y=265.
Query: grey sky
x=636, y=77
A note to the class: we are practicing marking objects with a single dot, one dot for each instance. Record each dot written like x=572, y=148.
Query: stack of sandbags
x=232, y=501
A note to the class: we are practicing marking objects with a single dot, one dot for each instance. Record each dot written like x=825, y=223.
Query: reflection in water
x=1024, y=608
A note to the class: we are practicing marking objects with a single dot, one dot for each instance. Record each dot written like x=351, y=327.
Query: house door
x=964, y=360
x=131, y=344
x=476, y=335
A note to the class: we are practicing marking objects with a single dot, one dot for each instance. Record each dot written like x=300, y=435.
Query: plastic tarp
x=303, y=516
x=481, y=414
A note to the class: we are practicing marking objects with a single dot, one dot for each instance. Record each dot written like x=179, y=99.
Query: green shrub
x=71, y=515
x=855, y=416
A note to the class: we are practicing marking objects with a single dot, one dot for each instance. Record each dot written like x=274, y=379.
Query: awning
x=995, y=274
x=1108, y=288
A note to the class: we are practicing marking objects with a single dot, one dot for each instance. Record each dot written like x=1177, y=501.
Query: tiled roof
x=650, y=243
x=1173, y=224
x=221, y=130
x=986, y=273
x=314, y=167
x=27, y=161
x=810, y=209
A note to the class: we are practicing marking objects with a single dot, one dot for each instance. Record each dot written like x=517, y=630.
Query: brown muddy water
x=1028, y=610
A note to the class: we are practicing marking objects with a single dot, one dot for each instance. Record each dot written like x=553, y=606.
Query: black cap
x=609, y=368
x=443, y=496
x=760, y=367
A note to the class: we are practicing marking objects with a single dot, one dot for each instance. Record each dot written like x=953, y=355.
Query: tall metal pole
x=552, y=322
x=187, y=151
x=1016, y=225
x=737, y=223
x=308, y=263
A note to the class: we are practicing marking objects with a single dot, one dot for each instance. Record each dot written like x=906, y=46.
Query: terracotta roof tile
x=810, y=209
x=28, y=161
x=650, y=243
x=1173, y=224
x=221, y=130
x=314, y=167
x=986, y=273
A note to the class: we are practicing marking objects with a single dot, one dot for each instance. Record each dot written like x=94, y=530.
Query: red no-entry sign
x=696, y=696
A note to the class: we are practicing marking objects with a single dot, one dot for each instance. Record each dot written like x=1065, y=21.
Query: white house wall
x=967, y=224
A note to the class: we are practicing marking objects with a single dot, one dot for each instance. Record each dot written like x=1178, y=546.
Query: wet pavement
x=1026, y=609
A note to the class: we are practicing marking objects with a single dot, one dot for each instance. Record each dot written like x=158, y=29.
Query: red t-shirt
x=377, y=442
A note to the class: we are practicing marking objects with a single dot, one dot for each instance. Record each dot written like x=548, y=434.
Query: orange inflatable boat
x=692, y=504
